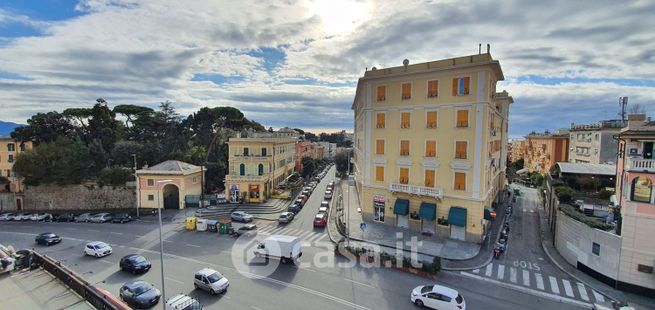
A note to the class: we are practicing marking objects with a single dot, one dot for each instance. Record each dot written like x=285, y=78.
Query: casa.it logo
x=250, y=258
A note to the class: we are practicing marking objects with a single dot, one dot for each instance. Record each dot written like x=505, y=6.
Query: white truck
x=285, y=248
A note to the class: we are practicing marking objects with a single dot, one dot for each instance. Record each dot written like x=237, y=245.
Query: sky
x=296, y=63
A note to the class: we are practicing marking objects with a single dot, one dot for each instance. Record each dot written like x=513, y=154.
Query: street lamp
x=348, y=201
x=136, y=183
x=161, y=242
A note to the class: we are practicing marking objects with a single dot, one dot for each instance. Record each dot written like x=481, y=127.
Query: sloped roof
x=171, y=167
x=584, y=168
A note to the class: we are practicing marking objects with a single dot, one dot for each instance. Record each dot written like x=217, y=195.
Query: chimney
x=488, y=48
x=636, y=120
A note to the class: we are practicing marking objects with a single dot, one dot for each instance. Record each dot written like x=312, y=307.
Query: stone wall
x=76, y=197
x=7, y=202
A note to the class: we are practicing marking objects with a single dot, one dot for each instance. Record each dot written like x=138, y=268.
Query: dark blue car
x=140, y=294
x=135, y=263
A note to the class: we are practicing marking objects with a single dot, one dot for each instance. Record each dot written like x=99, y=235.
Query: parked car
x=437, y=297
x=101, y=218
x=45, y=217
x=97, y=249
x=295, y=209
x=325, y=204
x=241, y=216
x=320, y=220
x=7, y=216
x=82, y=218
x=211, y=281
x=285, y=217
x=122, y=218
x=22, y=216
x=183, y=302
x=306, y=192
x=140, y=294
x=322, y=209
x=304, y=198
x=47, y=239
x=299, y=202
x=328, y=195
x=248, y=230
x=64, y=217
x=135, y=263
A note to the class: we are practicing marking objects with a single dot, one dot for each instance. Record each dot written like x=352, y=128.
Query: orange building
x=516, y=150
x=9, y=150
x=543, y=150
x=303, y=149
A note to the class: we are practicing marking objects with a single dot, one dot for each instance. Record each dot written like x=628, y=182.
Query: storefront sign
x=378, y=198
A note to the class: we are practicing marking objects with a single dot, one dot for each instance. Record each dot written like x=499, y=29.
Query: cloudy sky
x=296, y=63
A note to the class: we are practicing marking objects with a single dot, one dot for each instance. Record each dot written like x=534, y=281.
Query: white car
x=328, y=195
x=322, y=210
x=41, y=217
x=22, y=217
x=7, y=216
x=97, y=249
x=211, y=281
x=437, y=297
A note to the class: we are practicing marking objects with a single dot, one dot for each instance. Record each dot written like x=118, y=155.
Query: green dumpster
x=224, y=227
x=517, y=192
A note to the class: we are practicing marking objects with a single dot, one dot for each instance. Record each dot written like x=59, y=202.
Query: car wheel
x=419, y=303
x=97, y=255
x=284, y=260
x=211, y=291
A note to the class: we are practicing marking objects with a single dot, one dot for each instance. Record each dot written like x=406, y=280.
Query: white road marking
x=167, y=241
x=512, y=274
x=171, y=279
x=531, y=211
x=106, y=261
x=115, y=233
x=490, y=268
x=476, y=271
x=193, y=245
x=598, y=297
x=567, y=288
x=525, y=210
x=540, y=281
x=583, y=291
x=554, y=287
x=255, y=308
x=315, y=237
x=305, y=234
x=360, y=283
x=93, y=230
x=526, y=278
x=501, y=271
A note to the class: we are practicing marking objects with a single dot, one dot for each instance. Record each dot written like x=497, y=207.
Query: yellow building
x=175, y=183
x=431, y=145
x=9, y=150
x=257, y=164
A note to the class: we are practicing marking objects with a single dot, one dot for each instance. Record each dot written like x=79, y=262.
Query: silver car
x=285, y=217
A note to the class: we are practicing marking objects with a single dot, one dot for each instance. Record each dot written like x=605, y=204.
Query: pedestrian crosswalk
x=539, y=282
x=304, y=235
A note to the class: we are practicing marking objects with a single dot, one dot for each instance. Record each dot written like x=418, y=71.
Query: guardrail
x=97, y=298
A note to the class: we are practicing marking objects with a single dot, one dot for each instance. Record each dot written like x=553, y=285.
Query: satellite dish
x=374, y=68
x=406, y=62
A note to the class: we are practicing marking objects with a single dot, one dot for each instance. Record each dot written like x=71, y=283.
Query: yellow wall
x=6, y=167
x=185, y=185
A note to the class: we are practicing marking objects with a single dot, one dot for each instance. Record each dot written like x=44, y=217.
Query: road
x=321, y=281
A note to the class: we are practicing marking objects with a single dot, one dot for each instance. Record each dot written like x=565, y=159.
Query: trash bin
x=190, y=223
x=212, y=226
x=224, y=227
x=201, y=225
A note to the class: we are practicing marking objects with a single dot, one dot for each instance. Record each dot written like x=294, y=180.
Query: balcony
x=246, y=178
x=416, y=190
x=641, y=165
x=250, y=158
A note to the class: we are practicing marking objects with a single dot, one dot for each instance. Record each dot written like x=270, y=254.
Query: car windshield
x=319, y=217
x=139, y=259
x=194, y=306
x=142, y=289
x=214, y=277
x=99, y=245
x=427, y=288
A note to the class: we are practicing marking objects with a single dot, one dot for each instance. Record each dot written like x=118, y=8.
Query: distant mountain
x=7, y=127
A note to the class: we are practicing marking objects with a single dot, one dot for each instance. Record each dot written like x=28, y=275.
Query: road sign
x=362, y=226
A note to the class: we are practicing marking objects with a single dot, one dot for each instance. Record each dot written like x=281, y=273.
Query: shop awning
x=401, y=207
x=457, y=216
x=428, y=211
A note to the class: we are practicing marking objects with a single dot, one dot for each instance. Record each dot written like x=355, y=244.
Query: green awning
x=457, y=216
x=487, y=215
x=192, y=198
x=401, y=207
x=428, y=211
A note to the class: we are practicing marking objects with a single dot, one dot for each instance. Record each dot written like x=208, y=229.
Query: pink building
x=303, y=149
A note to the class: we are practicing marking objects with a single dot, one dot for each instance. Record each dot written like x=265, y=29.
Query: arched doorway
x=171, y=196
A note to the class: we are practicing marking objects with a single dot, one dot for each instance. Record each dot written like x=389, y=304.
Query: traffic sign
x=362, y=226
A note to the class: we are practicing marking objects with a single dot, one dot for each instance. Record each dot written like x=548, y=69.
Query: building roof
x=584, y=168
x=171, y=167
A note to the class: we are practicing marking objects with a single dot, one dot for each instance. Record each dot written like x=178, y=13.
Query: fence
x=89, y=292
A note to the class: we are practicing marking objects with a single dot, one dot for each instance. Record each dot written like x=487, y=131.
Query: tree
x=103, y=125
x=637, y=109
x=300, y=131
x=81, y=115
x=44, y=128
x=270, y=129
x=309, y=166
x=341, y=161
x=122, y=152
x=311, y=137
x=130, y=111
x=65, y=161
x=115, y=176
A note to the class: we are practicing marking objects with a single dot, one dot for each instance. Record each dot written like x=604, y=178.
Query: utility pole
x=348, y=201
x=136, y=182
x=623, y=102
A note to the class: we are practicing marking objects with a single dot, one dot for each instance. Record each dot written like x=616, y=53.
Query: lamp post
x=348, y=201
x=161, y=242
x=136, y=183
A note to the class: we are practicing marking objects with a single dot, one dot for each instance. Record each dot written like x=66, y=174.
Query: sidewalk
x=637, y=301
x=456, y=255
x=37, y=289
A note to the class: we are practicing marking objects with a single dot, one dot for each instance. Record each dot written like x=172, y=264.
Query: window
x=429, y=178
x=194, y=180
x=431, y=119
x=460, y=181
x=242, y=169
x=380, y=120
x=430, y=148
x=379, y=147
x=404, y=176
x=263, y=151
x=595, y=248
x=151, y=197
x=642, y=188
x=404, y=147
x=10, y=159
x=260, y=169
x=405, y=119
x=246, y=151
x=462, y=118
x=407, y=91
x=22, y=147
x=151, y=182
x=460, y=149
x=461, y=86
x=382, y=93
x=433, y=89
x=11, y=147
x=597, y=136
x=379, y=173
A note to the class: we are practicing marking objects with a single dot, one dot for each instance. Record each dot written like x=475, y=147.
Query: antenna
x=479, y=48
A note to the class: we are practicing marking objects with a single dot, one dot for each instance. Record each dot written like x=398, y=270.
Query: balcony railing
x=417, y=190
x=640, y=164
x=246, y=178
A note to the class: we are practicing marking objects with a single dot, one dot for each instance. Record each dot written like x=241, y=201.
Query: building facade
x=543, y=150
x=303, y=149
x=634, y=190
x=257, y=164
x=517, y=150
x=594, y=143
x=430, y=145
x=318, y=150
x=9, y=150
x=330, y=149
x=168, y=185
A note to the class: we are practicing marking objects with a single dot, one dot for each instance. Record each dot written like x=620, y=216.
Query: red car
x=320, y=220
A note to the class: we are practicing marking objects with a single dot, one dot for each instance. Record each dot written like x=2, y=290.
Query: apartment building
x=430, y=145
x=543, y=150
x=303, y=149
x=594, y=143
x=257, y=164
x=9, y=150
x=634, y=190
x=330, y=149
x=517, y=150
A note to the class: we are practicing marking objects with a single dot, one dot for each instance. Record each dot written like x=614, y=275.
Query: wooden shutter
x=379, y=147
x=379, y=173
x=460, y=181
x=407, y=91
x=404, y=176
x=381, y=96
x=404, y=147
x=429, y=178
x=455, y=87
x=433, y=88
x=430, y=148
x=380, y=123
x=432, y=119
x=467, y=84
x=462, y=118
x=404, y=120
x=460, y=149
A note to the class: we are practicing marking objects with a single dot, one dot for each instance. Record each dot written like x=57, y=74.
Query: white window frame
x=426, y=118
x=411, y=90
x=468, y=118
x=427, y=89
x=386, y=91
x=401, y=119
x=466, y=180
x=409, y=173
x=425, y=148
x=385, y=120
x=409, y=147
x=455, y=150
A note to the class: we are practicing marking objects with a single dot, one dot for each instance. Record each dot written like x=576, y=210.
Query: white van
x=183, y=302
x=285, y=248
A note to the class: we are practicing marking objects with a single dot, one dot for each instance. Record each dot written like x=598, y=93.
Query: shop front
x=378, y=208
x=401, y=210
x=457, y=221
x=253, y=193
x=427, y=213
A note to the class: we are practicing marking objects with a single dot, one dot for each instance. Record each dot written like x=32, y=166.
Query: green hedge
x=580, y=217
